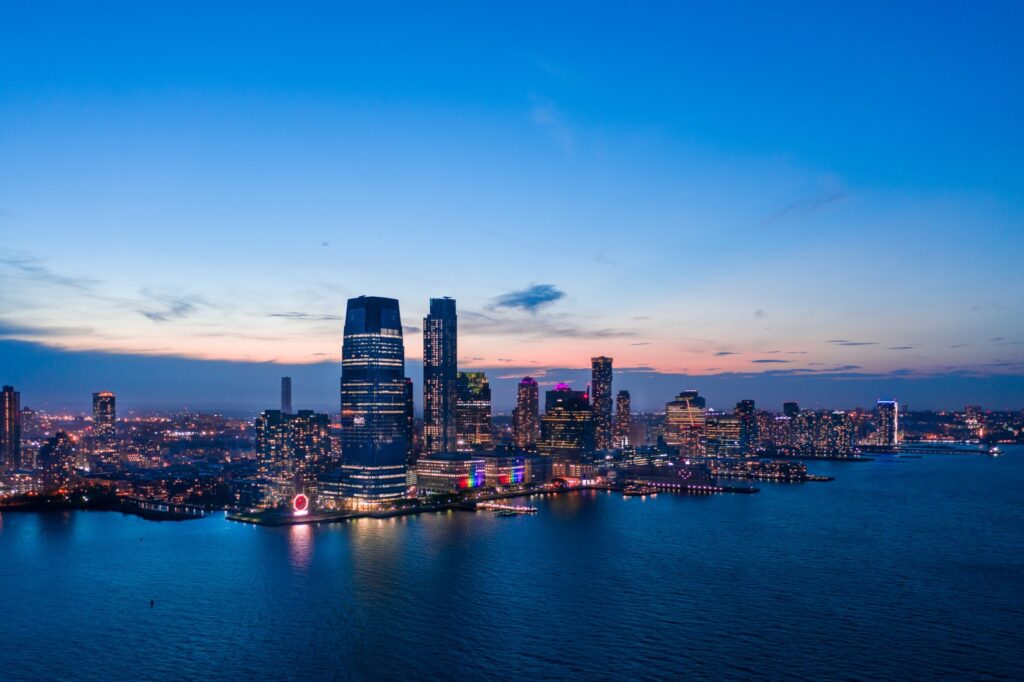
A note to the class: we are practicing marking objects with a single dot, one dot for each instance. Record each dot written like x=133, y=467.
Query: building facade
x=10, y=428
x=601, y=400
x=567, y=427
x=888, y=431
x=104, y=414
x=526, y=415
x=623, y=421
x=373, y=404
x=440, y=368
x=449, y=472
x=473, y=411
x=747, y=414
x=286, y=395
x=684, y=423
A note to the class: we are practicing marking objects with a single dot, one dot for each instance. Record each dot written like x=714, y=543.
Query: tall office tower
x=104, y=414
x=373, y=413
x=526, y=417
x=601, y=400
x=286, y=395
x=10, y=428
x=722, y=434
x=473, y=411
x=440, y=356
x=749, y=436
x=57, y=460
x=410, y=423
x=567, y=427
x=684, y=422
x=623, y=420
x=791, y=410
x=888, y=433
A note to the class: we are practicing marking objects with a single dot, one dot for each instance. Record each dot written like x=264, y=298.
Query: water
x=900, y=568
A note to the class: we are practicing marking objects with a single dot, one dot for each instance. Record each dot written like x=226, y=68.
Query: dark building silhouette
x=473, y=411
x=747, y=414
x=440, y=368
x=57, y=460
x=601, y=400
x=410, y=423
x=791, y=410
x=10, y=428
x=373, y=403
x=567, y=427
x=526, y=415
x=623, y=420
x=286, y=395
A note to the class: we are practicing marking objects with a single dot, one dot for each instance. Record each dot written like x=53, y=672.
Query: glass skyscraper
x=374, y=428
x=440, y=369
x=601, y=399
x=473, y=411
x=526, y=417
x=10, y=428
x=104, y=414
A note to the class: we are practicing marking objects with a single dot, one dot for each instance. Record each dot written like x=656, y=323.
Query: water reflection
x=300, y=545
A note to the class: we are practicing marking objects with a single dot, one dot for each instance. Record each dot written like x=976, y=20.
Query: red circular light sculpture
x=300, y=504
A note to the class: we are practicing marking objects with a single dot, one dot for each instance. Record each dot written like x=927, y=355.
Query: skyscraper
x=473, y=411
x=567, y=427
x=104, y=414
x=440, y=357
x=601, y=400
x=57, y=459
x=293, y=448
x=410, y=423
x=684, y=422
x=526, y=417
x=623, y=420
x=373, y=405
x=286, y=395
x=747, y=415
x=791, y=409
x=10, y=428
x=888, y=434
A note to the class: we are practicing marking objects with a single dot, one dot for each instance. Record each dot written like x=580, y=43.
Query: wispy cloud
x=766, y=361
x=545, y=114
x=164, y=306
x=295, y=315
x=804, y=206
x=32, y=268
x=530, y=299
x=902, y=347
x=10, y=329
x=846, y=342
x=723, y=353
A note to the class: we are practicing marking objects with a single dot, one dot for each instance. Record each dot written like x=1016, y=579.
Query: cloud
x=169, y=305
x=530, y=299
x=549, y=118
x=902, y=347
x=845, y=342
x=32, y=268
x=294, y=315
x=641, y=343
x=410, y=329
x=798, y=208
x=723, y=353
x=760, y=314
x=765, y=361
x=960, y=345
x=15, y=330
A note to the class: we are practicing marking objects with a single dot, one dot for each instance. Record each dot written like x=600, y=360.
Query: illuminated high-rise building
x=410, y=423
x=526, y=415
x=473, y=411
x=567, y=427
x=10, y=428
x=293, y=447
x=440, y=368
x=57, y=460
x=684, y=423
x=373, y=405
x=601, y=400
x=888, y=433
x=747, y=414
x=722, y=434
x=286, y=395
x=104, y=414
x=623, y=420
x=272, y=442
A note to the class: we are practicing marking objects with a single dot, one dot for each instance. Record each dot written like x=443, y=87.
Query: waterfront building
x=473, y=411
x=104, y=414
x=823, y=434
x=293, y=447
x=507, y=467
x=888, y=425
x=684, y=423
x=601, y=400
x=623, y=421
x=747, y=414
x=449, y=472
x=373, y=403
x=272, y=442
x=57, y=460
x=10, y=428
x=525, y=417
x=286, y=395
x=723, y=436
x=440, y=356
x=567, y=427
x=410, y=423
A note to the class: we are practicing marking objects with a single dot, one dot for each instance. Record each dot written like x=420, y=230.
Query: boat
x=994, y=451
x=638, y=490
x=505, y=512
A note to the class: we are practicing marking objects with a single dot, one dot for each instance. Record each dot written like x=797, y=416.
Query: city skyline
x=849, y=230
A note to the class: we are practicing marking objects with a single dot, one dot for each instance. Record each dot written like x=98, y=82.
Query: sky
x=811, y=201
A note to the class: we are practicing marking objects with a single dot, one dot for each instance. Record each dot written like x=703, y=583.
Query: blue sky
x=818, y=190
